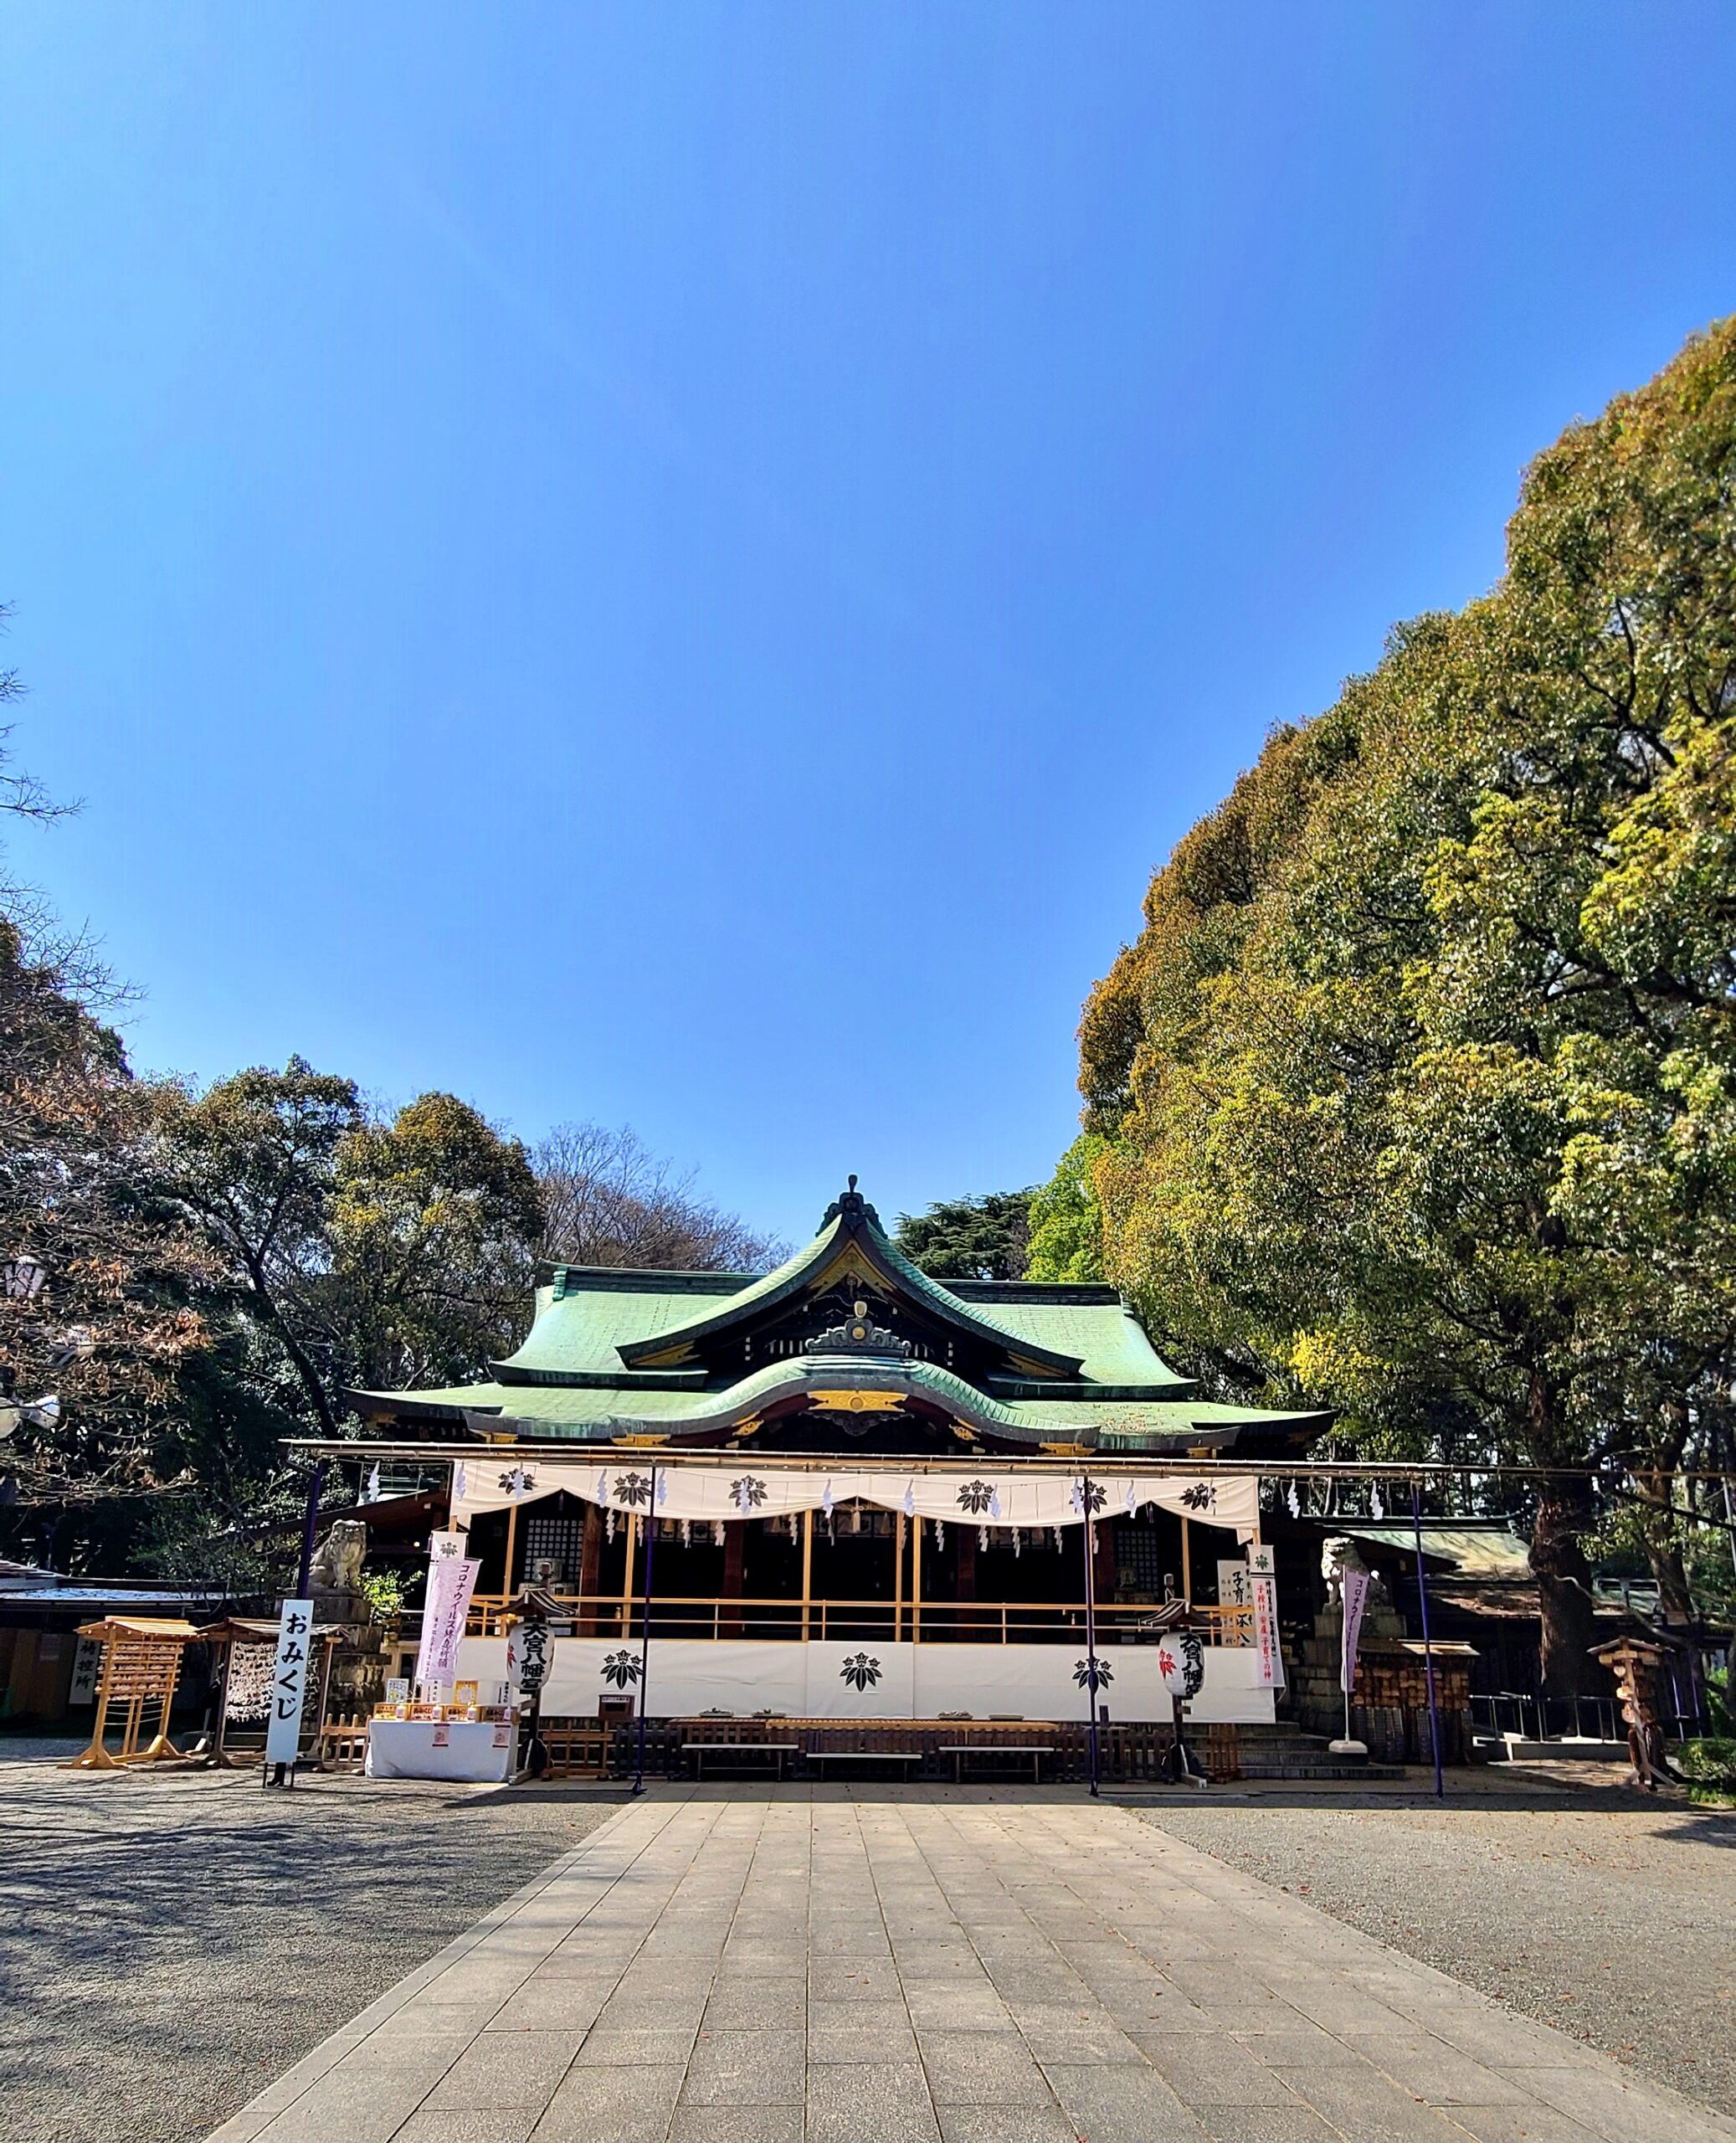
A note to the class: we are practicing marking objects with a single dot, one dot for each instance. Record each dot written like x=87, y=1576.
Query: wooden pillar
x=916, y=1580
x=1187, y=1562
x=898, y=1577
x=807, y=1569
x=627, y=1573
x=590, y=1562
x=506, y=1585
x=735, y=1563
x=964, y=1581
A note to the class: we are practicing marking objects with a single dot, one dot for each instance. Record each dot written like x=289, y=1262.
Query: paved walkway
x=815, y=1966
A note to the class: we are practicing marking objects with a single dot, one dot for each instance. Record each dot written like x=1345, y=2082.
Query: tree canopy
x=1417, y=1090
x=976, y=1238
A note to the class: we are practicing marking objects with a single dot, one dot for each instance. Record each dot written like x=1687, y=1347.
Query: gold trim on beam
x=1065, y=1449
x=639, y=1443
x=856, y=1402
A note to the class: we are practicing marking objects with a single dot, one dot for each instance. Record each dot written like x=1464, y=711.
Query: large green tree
x=977, y=1238
x=347, y=1250
x=1420, y=1084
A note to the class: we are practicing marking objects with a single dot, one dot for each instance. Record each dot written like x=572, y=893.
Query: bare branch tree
x=608, y=1199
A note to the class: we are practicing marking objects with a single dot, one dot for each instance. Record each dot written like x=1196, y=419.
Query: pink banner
x=451, y=1581
x=1356, y=1597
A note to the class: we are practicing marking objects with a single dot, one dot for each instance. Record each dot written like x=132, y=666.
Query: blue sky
x=682, y=565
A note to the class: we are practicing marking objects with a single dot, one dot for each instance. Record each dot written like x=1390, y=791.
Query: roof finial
x=852, y=1209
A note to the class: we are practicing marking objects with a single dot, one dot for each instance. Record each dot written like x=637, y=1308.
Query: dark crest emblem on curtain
x=1088, y=1496
x=859, y=1671
x=975, y=1497
x=747, y=1493
x=619, y=1668
x=1202, y=1496
x=1083, y=1676
x=519, y=1481
x=633, y=1489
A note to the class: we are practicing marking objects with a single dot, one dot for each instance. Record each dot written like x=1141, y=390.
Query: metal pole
x=644, y=1634
x=1422, y=1595
x=1730, y=1520
x=1091, y=1631
x=308, y=1529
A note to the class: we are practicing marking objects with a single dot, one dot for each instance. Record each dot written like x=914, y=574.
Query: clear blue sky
x=682, y=565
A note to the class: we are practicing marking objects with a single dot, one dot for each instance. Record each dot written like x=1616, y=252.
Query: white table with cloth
x=478, y=1752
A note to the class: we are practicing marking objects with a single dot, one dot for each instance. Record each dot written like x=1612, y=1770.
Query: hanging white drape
x=1019, y=1495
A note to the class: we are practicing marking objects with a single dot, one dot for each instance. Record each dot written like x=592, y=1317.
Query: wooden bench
x=906, y=1756
x=1036, y=1750
x=776, y=1750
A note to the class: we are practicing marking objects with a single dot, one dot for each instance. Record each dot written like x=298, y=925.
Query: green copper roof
x=1069, y=1363
x=849, y=1225
x=600, y=1415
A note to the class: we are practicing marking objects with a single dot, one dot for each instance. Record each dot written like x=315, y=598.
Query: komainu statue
x=337, y=1566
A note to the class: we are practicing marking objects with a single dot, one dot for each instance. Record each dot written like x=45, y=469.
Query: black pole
x=1091, y=1631
x=1422, y=1596
x=309, y=1529
x=644, y=1634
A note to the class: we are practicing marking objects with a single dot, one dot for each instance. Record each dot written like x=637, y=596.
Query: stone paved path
x=817, y=1966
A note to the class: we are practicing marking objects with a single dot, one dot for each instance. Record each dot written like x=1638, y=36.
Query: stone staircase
x=1285, y=1751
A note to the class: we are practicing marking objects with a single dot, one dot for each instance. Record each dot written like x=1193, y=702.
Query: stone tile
x=836, y=1981
x=243, y=2127
x=421, y=2057
x=654, y=2046
x=661, y=1979
x=747, y=2068
x=941, y=2005
x=468, y=2124
x=1124, y=2105
x=623, y=2105
x=737, y=2125
x=1292, y=2124
x=507, y=2068
x=1366, y=2105
x=1620, y=2108
x=543, y=2004
x=981, y=2068
x=859, y=2031
x=871, y=2102
x=1303, y=2045
x=1531, y=2123
x=768, y=2005
x=361, y=2105
x=1079, y=2045
x=1212, y=2072
x=1431, y=2069
x=1006, y=2125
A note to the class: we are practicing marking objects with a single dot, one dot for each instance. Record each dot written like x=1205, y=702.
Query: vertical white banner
x=451, y=1581
x=1268, y=1652
x=1356, y=1597
x=289, y=1682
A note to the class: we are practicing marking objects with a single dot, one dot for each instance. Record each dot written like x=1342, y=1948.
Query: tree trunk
x=1663, y=1545
x=1563, y=1593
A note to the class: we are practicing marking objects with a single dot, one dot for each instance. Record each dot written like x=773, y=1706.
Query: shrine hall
x=862, y=1493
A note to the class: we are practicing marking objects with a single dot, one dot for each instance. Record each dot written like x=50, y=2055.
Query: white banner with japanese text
x=289, y=1682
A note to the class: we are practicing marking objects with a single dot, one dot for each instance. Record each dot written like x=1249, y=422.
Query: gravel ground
x=171, y=1943
x=1613, y=1921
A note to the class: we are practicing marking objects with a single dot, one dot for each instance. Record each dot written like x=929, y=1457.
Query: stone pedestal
x=1389, y=1705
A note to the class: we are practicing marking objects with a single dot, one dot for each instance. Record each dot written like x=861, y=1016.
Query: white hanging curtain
x=1022, y=1496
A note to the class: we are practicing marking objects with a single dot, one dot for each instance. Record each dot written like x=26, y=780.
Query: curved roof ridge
x=851, y=1219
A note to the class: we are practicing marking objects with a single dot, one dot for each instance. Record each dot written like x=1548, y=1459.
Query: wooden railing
x=851, y=1621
